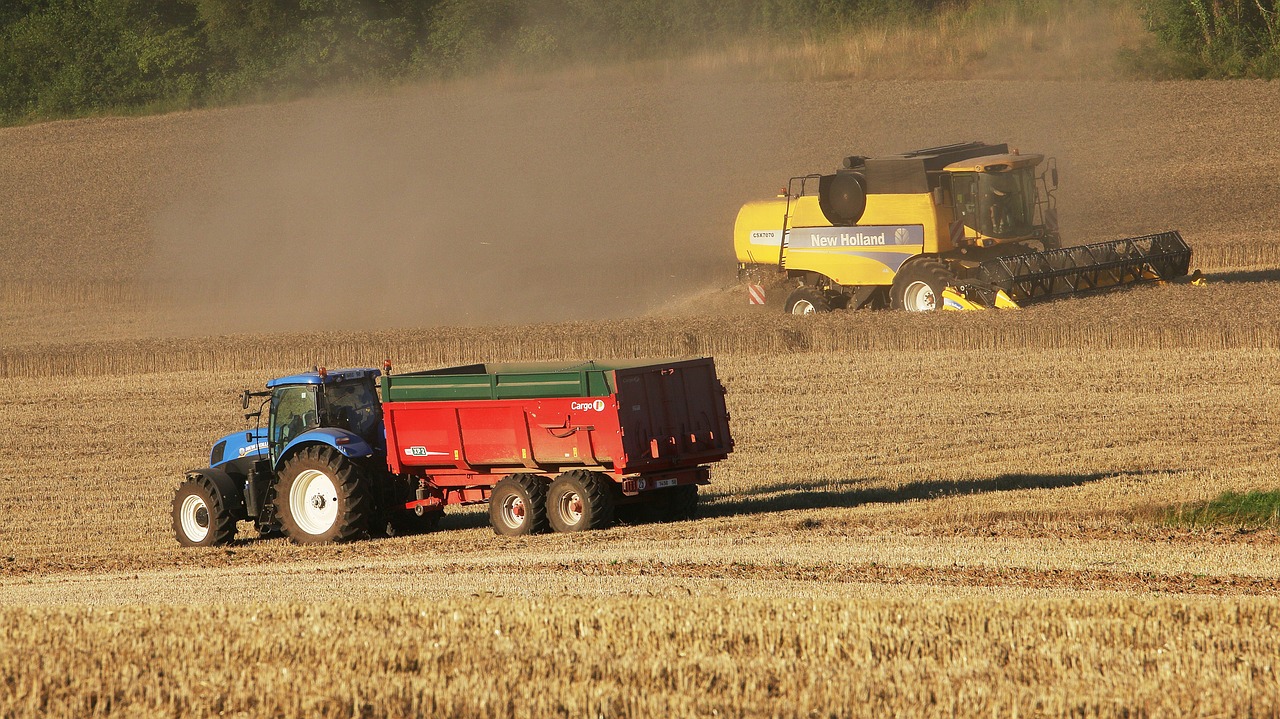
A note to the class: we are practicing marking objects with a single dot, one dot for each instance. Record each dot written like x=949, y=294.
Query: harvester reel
x=842, y=198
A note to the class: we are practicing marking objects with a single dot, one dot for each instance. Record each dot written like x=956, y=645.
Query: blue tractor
x=316, y=473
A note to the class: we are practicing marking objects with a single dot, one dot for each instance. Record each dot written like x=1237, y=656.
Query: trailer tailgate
x=671, y=414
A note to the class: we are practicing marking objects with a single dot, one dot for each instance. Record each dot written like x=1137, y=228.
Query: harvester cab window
x=1006, y=203
x=353, y=406
x=293, y=411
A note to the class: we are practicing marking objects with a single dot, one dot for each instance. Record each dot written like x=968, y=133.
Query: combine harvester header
x=964, y=226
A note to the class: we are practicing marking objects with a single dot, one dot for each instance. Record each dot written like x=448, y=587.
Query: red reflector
x=342, y=440
x=653, y=447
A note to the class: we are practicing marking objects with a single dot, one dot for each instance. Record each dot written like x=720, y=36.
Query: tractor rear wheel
x=518, y=505
x=919, y=286
x=201, y=517
x=807, y=301
x=322, y=497
x=580, y=500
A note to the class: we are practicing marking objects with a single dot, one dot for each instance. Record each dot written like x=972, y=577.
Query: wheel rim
x=570, y=506
x=919, y=297
x=803, y=307
x=513, y=511
x=313, y=499
x=194, y=515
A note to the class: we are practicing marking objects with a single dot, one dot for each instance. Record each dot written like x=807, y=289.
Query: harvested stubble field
x=954, y=515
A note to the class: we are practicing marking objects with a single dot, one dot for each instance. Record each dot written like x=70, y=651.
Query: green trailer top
x=495, y=380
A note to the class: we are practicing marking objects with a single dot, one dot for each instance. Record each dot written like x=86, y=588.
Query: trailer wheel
x=322, y=497
x=518, y=505
x=201, y=517
x=580, y=500
x=807, y=301
x=678, y=504
x=918, y=287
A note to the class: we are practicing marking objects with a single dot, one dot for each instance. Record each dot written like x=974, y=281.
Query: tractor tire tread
x=222, y=524
x=349, y=481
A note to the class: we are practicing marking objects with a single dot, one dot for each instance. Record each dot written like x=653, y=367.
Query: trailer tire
x=580, y=500
x=806, y=301
x=322, y=497
x=919, y=286
x=678, y=504
x=518, y=505
x=201, y=515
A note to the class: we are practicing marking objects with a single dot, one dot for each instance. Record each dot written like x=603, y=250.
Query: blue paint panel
x=829, y=238
x=892, y=260
x=238, y=447
x=354, y=445
x=337, y=375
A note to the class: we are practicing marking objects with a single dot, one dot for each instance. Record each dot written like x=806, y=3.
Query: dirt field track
x=947, y=515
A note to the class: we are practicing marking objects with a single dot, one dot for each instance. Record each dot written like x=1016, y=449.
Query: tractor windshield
x=997, y=204
x=293, y=411
x=353, y=406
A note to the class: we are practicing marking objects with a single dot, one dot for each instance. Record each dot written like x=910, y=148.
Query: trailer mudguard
x=348, y=443
x=232, y=492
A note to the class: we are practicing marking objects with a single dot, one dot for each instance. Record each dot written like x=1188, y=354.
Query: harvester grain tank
x=963, y=226
x=549, y=446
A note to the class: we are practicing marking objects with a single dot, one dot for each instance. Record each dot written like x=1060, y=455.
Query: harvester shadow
x=1244, y=276
x=829, y=495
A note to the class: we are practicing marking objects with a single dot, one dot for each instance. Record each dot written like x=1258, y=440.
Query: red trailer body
x=646, y=427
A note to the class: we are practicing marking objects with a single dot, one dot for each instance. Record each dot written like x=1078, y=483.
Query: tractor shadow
x=834, y=495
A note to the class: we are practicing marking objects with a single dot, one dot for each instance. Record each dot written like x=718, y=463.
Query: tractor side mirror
x=244, y=400
x=1053, y=175
x=937, y=197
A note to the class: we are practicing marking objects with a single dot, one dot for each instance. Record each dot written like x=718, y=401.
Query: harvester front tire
x=518, y=505
x=807, y=301
x=580, y=500
x=322, y=497
x=201, y=517
x=919, y=286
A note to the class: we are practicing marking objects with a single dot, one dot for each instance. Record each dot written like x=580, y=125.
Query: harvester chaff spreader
x=963, y=226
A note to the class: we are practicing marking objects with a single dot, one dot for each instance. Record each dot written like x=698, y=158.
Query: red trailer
x=557, y=445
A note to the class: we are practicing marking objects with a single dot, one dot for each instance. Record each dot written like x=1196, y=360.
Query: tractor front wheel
x=580, y=500
x=201, y=517
x=322, y=497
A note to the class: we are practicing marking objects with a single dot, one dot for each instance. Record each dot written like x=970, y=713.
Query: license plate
x=665, y=483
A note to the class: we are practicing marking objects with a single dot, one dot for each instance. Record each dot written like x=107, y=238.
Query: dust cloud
x=491, y=203
x=466, y=204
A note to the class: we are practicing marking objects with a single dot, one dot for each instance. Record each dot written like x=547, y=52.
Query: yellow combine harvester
x=964, y=226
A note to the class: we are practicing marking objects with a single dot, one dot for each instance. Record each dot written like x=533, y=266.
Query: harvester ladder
x=786, y=215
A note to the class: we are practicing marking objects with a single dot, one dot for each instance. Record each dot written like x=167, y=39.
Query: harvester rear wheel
x=918, y=286
x=518, y=505
x=322, y=497
x=807, y=301
x=201, y=517
x=580, y=500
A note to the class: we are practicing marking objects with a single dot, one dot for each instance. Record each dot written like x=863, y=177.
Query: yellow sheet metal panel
x=757, y=233
x=869, y=253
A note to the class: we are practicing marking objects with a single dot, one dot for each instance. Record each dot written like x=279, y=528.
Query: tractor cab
x=341, y=399
x=998, y=197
